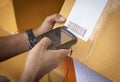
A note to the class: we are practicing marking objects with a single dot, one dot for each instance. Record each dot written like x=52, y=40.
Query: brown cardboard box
x=102, y=51
x=7, y=16
x=20, y=15
x=31, y=13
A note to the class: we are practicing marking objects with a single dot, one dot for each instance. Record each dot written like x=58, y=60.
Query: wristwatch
x=31, y=38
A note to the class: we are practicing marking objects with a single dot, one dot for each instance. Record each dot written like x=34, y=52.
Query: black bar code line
x=77, y=29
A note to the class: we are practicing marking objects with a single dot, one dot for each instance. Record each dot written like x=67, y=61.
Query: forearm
x=30, y=75
x=13, y=45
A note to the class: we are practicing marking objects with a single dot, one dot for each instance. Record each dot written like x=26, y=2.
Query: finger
x=50, y=20
x=62, y=52
x=44, y=43
x=58, y=18
x=55, y=18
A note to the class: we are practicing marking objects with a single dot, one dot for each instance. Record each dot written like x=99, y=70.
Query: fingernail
x=62, y=18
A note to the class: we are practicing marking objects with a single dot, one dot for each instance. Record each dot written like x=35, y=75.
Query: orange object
x=69, y=70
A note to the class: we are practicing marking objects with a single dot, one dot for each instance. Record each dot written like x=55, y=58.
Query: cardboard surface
x=27, y=14
x=7, y=16
x=102, y=51
x=31, y=13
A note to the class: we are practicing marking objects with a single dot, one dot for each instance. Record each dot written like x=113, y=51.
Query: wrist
x=31, y=38
x=36, y=32
x=28, y=75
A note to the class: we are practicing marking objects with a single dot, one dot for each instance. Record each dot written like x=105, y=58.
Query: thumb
x=60, y=19
x=44, y=43
x=62, y=52
x=55, y=18
x=50, y=20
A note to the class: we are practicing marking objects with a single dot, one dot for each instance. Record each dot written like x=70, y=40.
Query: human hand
x=48, y=23
x=41, y=61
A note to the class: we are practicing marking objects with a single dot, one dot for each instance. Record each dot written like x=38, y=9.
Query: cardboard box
x=31, y=13
x=102, y=51
x=20, y=15
x=7, y=16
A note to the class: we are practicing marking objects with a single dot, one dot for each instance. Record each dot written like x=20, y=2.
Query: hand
x=48, y=23
x=41, y=61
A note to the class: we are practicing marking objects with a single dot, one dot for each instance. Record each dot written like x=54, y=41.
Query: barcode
x=77, y=29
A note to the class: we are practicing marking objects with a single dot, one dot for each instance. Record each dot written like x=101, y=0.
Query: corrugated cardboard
x=22, y=15
x=102, y=51
x=7, y=16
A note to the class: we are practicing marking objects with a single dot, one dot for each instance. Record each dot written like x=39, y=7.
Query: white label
x=84, y=16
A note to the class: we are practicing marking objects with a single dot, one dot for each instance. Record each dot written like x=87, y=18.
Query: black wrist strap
x=31, y=38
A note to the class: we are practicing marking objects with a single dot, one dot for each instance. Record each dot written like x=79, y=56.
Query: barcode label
x=80, y=31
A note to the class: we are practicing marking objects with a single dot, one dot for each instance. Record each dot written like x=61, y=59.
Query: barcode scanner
x=61, y=38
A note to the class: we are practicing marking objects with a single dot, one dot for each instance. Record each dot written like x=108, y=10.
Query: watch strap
x=31, y=38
